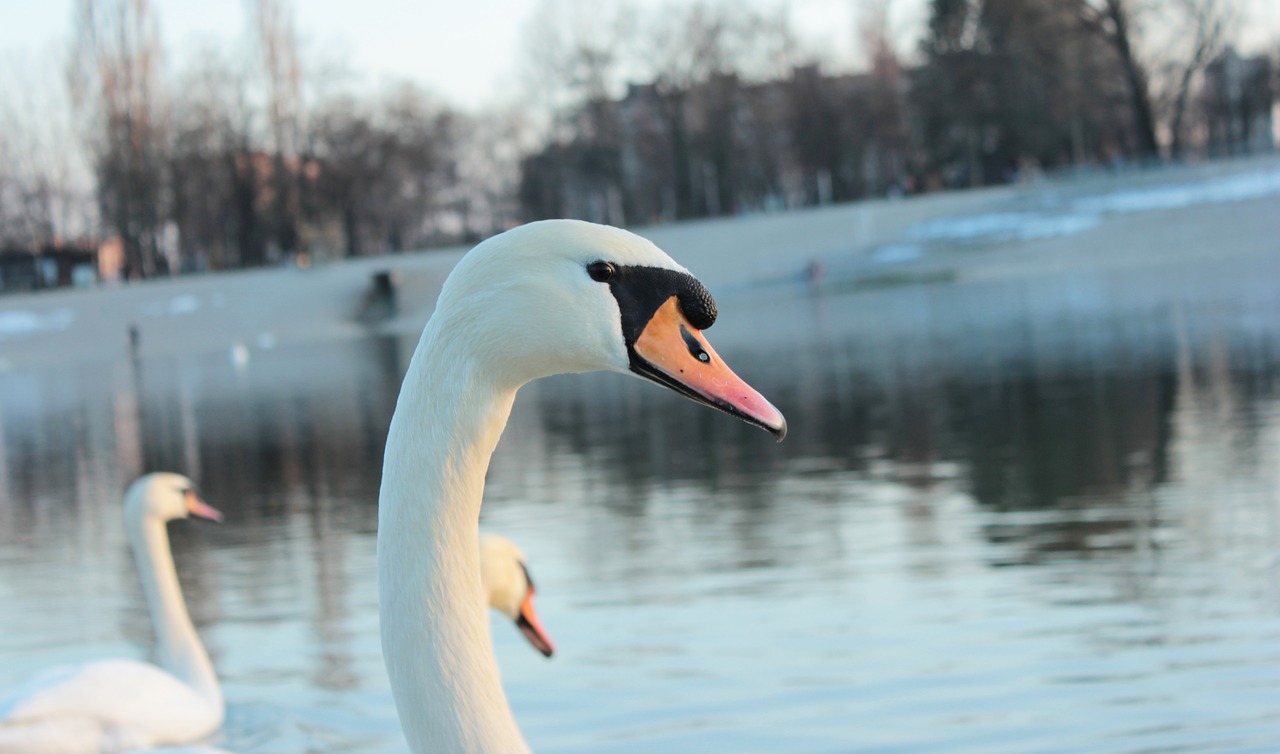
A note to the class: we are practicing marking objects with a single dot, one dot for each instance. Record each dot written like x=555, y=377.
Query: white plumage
x=538, y=300
x=118, y=705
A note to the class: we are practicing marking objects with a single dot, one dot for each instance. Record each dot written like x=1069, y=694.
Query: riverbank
x=1171, y=216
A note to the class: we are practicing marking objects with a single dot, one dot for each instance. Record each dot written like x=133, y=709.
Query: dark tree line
x=1000, y=89
x=698, y=138
x=1010, y=83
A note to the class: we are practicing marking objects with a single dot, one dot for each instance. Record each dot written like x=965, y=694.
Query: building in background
x=48, y=266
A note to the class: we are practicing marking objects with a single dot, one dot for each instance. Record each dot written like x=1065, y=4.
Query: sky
x=466, y=51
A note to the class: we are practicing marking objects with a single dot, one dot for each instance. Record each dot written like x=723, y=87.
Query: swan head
x=509, y=588
x=562, y=296
x=164, y=496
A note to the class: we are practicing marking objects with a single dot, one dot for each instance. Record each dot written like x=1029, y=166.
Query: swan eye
x=601, y=272
x=528, y=579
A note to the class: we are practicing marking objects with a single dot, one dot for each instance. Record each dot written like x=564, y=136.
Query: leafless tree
x=277, y=45
x=885, y=129
x=716, y=46
x=116, y=88
x=381, y=167
x=1200, y=35
x=485, y=196
x=575, y=51
x=420, y=144
x=45, y=190
x=1113, y=21
x=576, y=56
x=214, y=187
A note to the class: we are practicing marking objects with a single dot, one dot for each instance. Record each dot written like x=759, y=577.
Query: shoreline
x=1172, y=216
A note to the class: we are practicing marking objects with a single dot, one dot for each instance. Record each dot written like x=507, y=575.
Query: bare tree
x=575, y=52
x=277, y=44
x=381, y=169
x=420, y=144
x=45, y=190
x=214, y=192
x=1205, y=24
x=1113, y=21
x=115, y=86
x=575, y=59
x=486, y=192
x=715, y=45
x=885, y=122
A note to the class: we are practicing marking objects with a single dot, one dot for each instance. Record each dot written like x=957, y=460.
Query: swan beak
x=532, y=629
x=198, y=507
x=672, y=352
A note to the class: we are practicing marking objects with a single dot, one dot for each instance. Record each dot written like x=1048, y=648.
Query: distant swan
x=509, y=588
x=541, y=299
x=110, y=706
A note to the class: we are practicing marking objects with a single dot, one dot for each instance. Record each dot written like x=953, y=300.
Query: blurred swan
x=509, y=588
x=541, y=299
x=116, y=705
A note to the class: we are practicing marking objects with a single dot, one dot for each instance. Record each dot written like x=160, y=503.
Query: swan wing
x=122, y=704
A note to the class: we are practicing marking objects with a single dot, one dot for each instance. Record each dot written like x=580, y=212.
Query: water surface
x=1013, y=516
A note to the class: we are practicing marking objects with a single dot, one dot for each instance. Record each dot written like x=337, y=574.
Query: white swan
x=117, y=705
x=541, y=299
x=509, y=589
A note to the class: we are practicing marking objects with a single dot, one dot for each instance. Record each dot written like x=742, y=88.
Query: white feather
x=517, y=307
x=116, y=705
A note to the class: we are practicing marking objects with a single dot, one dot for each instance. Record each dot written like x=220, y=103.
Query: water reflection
x=1059, y=437
x=1006, y=511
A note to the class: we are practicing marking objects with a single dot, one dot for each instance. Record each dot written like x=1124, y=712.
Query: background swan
x=542, y=299
x=116, y=705
x=509, y=589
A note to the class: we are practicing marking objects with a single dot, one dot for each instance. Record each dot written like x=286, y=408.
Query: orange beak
x=198, y=507
x=671, y=352
x=532, y=629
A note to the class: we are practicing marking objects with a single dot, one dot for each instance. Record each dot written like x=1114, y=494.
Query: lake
x=1013, y=515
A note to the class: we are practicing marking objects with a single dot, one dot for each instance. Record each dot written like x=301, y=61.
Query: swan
x=545, y=298
x=509, y=589
x=117, y=705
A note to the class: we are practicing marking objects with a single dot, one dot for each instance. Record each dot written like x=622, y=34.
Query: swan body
x=545, y=298
x=116, y=705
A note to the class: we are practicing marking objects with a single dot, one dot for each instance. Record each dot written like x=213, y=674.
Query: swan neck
x=179, y=648
x=435, y=632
